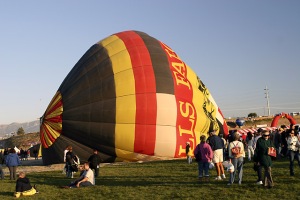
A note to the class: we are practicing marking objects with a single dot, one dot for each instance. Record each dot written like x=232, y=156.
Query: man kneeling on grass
x=86, y=178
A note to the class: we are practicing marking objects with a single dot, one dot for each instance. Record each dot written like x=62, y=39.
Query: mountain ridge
x=10, y=129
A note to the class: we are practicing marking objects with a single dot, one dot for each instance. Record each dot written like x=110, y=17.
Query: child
x=23, y=186
x=188, y=152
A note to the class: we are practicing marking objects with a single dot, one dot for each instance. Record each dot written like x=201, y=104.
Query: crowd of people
x=261, y=147
x=217, y=152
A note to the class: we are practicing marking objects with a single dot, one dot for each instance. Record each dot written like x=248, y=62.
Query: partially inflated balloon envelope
x=132, y=98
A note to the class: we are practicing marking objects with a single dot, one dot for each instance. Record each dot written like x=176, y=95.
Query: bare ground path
x=32, y=165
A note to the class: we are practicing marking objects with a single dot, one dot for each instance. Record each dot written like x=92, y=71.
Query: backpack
x=236, y=149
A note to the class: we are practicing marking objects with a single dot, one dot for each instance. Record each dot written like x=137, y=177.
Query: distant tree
x=252, y=115
x=20, y=131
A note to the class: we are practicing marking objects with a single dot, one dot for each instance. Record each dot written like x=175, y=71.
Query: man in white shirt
x=88, y=177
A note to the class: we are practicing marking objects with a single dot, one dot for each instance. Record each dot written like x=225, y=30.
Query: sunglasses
x=266, y=135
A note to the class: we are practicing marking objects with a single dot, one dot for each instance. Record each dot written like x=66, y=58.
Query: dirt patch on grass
x=32, y=165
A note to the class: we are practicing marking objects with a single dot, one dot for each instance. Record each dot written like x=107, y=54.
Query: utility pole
x=268, y=103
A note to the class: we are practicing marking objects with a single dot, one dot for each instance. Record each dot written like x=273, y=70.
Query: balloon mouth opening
x=51, y=121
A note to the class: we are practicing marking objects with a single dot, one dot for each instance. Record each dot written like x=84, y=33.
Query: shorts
x=218, y=156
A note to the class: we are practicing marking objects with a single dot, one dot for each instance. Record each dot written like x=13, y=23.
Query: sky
x=236, y=47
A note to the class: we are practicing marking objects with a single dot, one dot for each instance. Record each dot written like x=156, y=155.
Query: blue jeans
x=293, y=155
x=203, y=166
x=189, y=159
x=238, y=168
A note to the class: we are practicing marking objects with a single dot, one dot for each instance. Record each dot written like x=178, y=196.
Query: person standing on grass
x=217, y=146
x=12, y=161
x=35, y=153
x=70, y=162
x=204, y=155
x=188, y=152
x=262, y=158
x=1, y=163
x=284, y=135
x=258, y=167
x=237, y=159
x=65, y=169
x=95, y=161
x=292, y=142
x=249, y=142
x=277, y=141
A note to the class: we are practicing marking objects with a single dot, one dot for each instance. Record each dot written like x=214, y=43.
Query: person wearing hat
x=217, y=146
x=263, y=159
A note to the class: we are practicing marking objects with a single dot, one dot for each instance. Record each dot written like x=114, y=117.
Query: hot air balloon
x=132, y=98
x=240, y=122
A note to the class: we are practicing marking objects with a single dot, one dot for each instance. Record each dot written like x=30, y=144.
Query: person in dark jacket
x=1, y=163
x=23, y=186
x=95, y=161
x=262, y=158
x=71, y=165
x=12, y=161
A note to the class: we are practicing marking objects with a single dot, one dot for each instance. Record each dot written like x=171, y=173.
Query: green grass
x=161, y=180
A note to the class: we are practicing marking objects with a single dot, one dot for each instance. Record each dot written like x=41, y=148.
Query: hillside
x=29, y=127
x=21, y=141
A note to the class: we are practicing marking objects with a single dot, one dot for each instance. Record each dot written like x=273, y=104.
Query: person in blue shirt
x=12, y=160
x=217, y=146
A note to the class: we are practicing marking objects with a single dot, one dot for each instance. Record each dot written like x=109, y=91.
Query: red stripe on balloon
x=145, y=88
x=225, y=127
x=186, y=111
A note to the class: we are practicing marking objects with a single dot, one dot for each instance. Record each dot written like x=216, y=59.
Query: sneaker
x=229, y=184
x=218, y=178
x=35, y=187
x=223, y=176
x=259, y=183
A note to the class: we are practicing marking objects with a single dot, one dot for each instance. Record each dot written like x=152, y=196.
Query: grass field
x=161, y=180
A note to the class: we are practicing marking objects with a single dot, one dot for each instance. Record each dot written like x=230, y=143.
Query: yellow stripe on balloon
x=202, y=124
x=125, y=96
x=55, y=113
x=54, y=126
x=52, y=123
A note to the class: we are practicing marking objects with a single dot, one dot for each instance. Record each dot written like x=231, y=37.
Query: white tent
x=16, y=149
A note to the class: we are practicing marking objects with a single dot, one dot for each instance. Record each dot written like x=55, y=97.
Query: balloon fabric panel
x=125, y=101
x=144, y=135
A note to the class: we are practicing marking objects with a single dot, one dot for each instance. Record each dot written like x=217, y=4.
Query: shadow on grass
x=6, y=194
